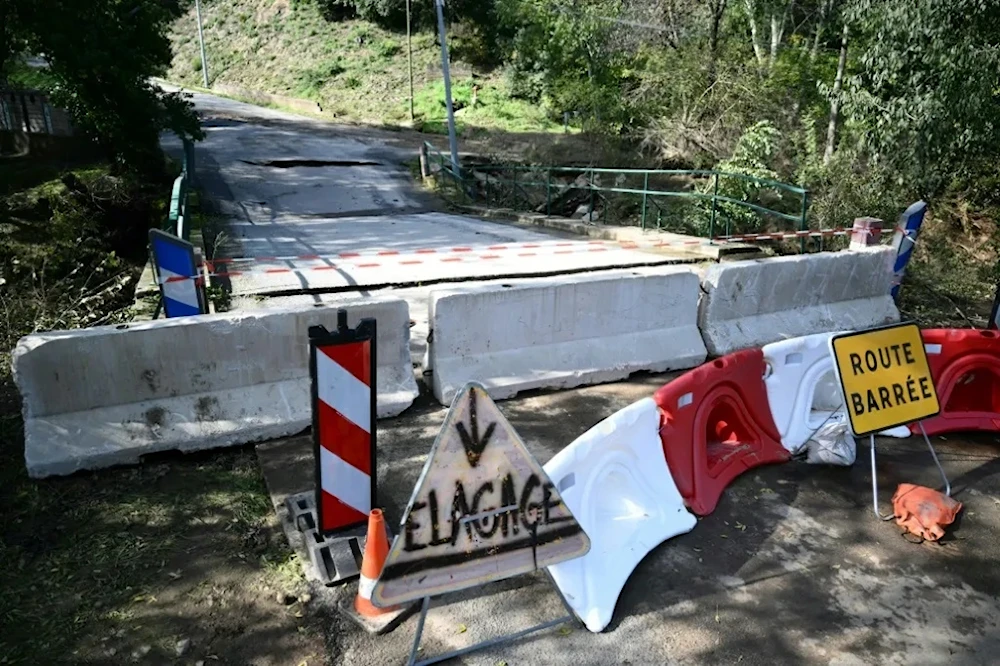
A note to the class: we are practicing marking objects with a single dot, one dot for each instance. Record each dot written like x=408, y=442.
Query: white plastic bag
x=832, y=443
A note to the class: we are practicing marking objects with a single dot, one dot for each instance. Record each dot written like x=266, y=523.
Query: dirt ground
x=176, y=561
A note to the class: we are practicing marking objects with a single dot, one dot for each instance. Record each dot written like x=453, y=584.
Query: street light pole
x=201, y=40
x=409, y=58
x=452, y=140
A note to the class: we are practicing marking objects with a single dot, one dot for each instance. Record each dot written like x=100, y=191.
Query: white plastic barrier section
x=752, y=303
x=577, y=330
x=108, y=395
x=802, y=389
x=614, y=479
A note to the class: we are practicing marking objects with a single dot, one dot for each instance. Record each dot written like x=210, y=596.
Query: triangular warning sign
x=483, y=510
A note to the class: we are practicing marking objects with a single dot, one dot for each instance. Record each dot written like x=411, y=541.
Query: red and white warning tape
x=220, y=266
x=464, y=258
x=806, y=233
x=554, y=248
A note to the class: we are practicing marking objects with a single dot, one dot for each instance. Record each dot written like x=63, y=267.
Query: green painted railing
x=711, y=209
x=177, y=221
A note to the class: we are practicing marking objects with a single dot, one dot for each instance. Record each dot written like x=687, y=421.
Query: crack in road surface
x=289, y=163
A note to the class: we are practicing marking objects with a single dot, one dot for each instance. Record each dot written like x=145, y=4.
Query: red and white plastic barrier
x=716, y=424
x=965, y=365
x=732, y=414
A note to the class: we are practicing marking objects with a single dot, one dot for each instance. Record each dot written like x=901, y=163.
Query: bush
x=388, y=48
x=852, y=187
x=312, y=80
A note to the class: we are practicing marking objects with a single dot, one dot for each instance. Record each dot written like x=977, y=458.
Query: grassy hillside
x=354, y=69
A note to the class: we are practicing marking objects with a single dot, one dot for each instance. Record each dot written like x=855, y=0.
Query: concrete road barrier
x=752, y=303
x=108, y=395
x=562, y=333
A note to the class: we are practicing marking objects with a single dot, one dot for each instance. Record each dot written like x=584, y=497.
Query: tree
x=716, y=11
x=776, y=14
x=392, y=13
x=101, y=55
x=578, y=52
x=926, y=90
x=838, y=84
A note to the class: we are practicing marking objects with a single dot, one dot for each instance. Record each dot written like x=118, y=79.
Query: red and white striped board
x=342, y=365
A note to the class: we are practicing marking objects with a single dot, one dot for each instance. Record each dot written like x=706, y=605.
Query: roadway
x=306, y=207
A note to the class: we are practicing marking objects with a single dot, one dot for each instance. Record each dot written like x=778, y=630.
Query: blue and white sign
x=904, y=240
x=176, y=273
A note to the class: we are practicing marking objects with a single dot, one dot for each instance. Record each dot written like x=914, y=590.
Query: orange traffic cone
x=376, y=550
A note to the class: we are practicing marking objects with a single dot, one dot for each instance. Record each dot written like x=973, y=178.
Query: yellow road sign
x=885, y=377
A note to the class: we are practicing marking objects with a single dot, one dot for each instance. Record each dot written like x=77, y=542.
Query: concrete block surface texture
x=752, y=303
x=573, y=331
x=104, y=396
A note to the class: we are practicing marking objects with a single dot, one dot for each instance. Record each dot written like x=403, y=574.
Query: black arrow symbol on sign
x=473, y=444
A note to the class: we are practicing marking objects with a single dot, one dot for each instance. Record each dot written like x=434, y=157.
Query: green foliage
x=926, y=87
x=560, y=56
x=22, y=76
x=101, y=55
x=809, y=154
x=848, y=188
x=392, y=13
x=488, y=106
x=311, y=81
x=388, y=48
x=753, y=157
x=754, y=151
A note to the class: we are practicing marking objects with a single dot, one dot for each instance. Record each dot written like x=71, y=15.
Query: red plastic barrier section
x=965, y=364
x=715, y=424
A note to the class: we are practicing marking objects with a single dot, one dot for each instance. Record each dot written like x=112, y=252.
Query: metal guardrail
x=177, y=220
x=526, y=186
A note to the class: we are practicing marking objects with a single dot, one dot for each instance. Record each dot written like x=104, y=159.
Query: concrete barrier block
x=752, y=303
x=108, y=395
x=562, y=333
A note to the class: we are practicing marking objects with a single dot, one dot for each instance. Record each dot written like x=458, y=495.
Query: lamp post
x=409, y=58
x=452, y=140
x=201, y=41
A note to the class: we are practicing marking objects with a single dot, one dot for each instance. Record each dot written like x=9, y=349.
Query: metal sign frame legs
x=944, y=477
x=506, y=638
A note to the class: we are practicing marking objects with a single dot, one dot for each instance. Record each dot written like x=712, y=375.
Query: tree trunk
x=838, y=84
x=824, y=11
x=673, y=37
x=814, y=51
x=758, y=50
x=718, y=8
x=777, y=32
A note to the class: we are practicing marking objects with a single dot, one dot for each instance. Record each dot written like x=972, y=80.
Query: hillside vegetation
x=355, y=69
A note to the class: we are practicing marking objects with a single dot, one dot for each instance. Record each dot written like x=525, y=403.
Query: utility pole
x=201, y=40
x=447, y=89
x=409, y=58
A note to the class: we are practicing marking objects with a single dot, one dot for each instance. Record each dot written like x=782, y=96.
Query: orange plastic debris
x=923, y=511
